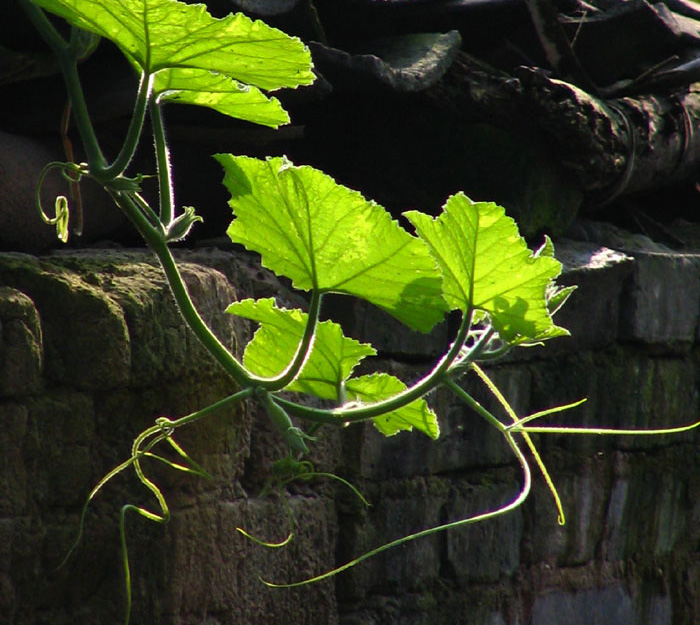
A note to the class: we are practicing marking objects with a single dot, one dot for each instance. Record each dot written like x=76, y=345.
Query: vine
x=322, y=236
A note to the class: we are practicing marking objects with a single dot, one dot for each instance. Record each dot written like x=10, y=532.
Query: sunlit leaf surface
x=325, y=236
x=487, y=265
x=160, y=34
x=373, y=388
x=333, y=355
x=221, y=93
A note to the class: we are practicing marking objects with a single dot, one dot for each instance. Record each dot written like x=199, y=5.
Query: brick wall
x=92, y=350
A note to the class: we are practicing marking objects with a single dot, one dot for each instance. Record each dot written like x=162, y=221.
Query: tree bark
x=613, y=146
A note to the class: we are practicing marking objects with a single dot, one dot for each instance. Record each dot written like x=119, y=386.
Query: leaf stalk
x=351, y=414
x=133, y=135
x=289, y=374
x=165, y=182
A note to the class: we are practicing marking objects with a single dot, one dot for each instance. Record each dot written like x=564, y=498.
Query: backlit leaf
x=325, y=236
x=219, y=92
x=487, y=265
x=378, y=386
x=333, y=355
x=160, y=34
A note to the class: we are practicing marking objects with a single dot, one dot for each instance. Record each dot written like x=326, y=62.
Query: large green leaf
x=325, y=236
x=161, y=34
x=379, y=386
x=219, y=92
x=486, y=265
x=333, y=355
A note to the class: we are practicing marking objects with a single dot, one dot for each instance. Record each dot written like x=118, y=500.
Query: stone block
x=637, y=392
x=662, y=300
x=398, y=508
x=610, y=604
x=647, y=512
x=592, y=313
x=623, y=390
x=21, y=349
x=582, y=489
x=160, y=345
x=58, y=448
x=84, y=332
x=212, y=569
x=13, y=474
x=158, y=339
x=219, y=443
x=138, y=362
x=688, y=610
x=108, y=317
x=564, y=380
x=8, y=599
x=485, y=551
x=430, y=605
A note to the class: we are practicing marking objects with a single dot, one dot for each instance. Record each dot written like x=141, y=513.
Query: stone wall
x=92, y=350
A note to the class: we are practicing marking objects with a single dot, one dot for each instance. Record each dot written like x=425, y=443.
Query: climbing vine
x=323, y=237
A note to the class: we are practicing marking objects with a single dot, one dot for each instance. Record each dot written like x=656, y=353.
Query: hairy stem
x=475, y=405
x=561, y=518
x=303, y=349
x=165, y=182
x=133, y=134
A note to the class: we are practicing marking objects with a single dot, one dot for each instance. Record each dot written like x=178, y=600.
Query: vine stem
x=159, y=432
x=196, y=416
x=515, y=503
x=154, y=234
x=553, y=429
x=351, y=414
x=561, y=517
x=163, y=431
x=133, y=135
x=303, y=349
x=475, y=405
x=156, y=241
x=66, y=56
x=165, y=181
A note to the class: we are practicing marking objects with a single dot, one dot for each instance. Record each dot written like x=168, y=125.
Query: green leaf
x=546, y=249
x=378, y=386
x=333, y=355
x=160, y=34
x=325, y=236
x=221, y=93
x=486, y=265
x=557, y=296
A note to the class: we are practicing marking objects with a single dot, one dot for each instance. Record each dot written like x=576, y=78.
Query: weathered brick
x=662, y=301
x=592, y=312
x=610, y=604
x=21, y=349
